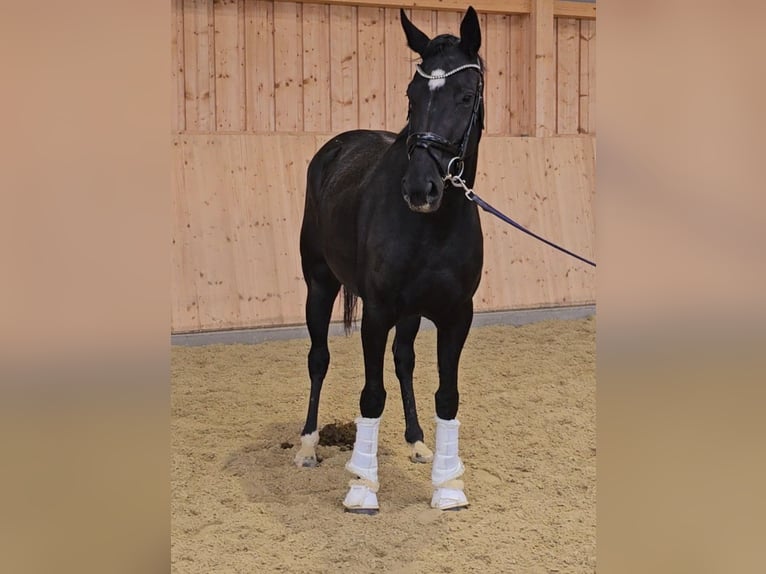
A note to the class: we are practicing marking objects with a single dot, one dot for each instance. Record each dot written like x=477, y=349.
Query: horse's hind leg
x=322, y=290
x=404, y=360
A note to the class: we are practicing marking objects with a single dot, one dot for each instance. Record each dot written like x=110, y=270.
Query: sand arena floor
x=527, y=439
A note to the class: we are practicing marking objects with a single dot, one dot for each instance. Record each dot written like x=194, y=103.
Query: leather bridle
x=430, y=141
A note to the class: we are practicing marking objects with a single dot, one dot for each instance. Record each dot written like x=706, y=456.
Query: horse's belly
x=433, y=294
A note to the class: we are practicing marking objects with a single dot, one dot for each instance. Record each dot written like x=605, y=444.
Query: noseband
x=430, y=141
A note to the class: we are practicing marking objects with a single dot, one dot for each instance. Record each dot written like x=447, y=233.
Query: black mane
x=439, y=44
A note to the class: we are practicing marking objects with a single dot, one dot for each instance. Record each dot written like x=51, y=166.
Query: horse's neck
x=471, y=165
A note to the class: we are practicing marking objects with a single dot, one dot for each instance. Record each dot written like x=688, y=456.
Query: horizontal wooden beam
x=486, y=6
x=563, y=8
x=582, y=10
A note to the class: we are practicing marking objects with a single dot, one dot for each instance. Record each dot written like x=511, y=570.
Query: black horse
x=382, y=220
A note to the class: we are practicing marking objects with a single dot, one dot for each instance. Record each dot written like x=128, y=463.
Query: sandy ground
x=527, y=440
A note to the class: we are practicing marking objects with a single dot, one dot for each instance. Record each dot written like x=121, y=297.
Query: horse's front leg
x=447, y=466
x=362, y=494
x=404, y=360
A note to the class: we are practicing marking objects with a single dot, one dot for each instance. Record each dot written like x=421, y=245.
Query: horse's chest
x=423, y=281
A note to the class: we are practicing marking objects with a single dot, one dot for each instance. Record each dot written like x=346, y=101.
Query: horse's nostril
x=432, y=193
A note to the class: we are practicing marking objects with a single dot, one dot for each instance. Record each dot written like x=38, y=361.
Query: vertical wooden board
x=555, y=76
x=259, y=65
x=584, y=81
x=483, y=28
x=546, y=185
x=184, y=309
x=543, y=44
x=592, y=79
x=316, y=68
x=272, y=232
x=372, y=68
x=296, y=153
x=448, y=23
x=229, y=65
x=288, y=70
x=398, y=76
x=235, y=260
x=512, y=276
x=257, y=290
x=177, y=98
x=498, y=50
x=568, y=75
x=425, y=20
x=573, y=228
x=521, y=66
x=343, y=68
x=213, y=158
x=199, y=91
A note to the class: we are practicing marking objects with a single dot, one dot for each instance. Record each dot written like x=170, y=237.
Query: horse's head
x=445, y=109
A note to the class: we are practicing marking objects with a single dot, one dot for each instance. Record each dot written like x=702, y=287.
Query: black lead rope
x=487, y=207
x=457, y=181
x=429, y=140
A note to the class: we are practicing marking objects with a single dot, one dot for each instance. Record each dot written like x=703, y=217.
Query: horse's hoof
x=420, y=452
x=306, y=456
x=449, y=499
x=308, y=462
x=361, y=497
x=364, y=511
x=455, y=508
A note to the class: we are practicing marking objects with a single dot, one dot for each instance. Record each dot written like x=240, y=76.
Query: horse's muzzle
x=425, y=196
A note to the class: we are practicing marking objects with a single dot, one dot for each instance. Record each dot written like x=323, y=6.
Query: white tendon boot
x=447, y=467
x=361, y=496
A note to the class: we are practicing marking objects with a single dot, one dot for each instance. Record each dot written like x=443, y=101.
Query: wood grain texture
x=259, y=53
x=425, y=20
x=581, y=10
x=567, y=75
x=184, y=250
x=198, y=66
x=520, y=69
x=448, y=22
x=497, y=39
x=235, y=260
x=372, y=68
x=398, y=75
x=543, y=66
x=488, y=6
x=547, y=187
x=240, y=70
x=316, y=68
x=344, y=77
x=177, y=90
x=592, y=81
x=584, y=87
x=229, y=64
x=564, y=8
x=288, y=66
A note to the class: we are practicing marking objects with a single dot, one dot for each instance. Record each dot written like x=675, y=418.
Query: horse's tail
x=349, y=310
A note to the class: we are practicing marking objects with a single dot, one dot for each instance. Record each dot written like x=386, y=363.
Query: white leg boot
x=361, y=496
x=447, y=467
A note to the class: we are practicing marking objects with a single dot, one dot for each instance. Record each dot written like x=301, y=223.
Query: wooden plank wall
x=235, y=244
x=259, y=85
x=293, y=67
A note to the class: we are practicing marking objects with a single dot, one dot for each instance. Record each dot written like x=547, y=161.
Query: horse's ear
x=416, y=40
x=470, y=33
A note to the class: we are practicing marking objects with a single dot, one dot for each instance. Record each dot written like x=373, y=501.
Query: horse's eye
x=467, y=98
